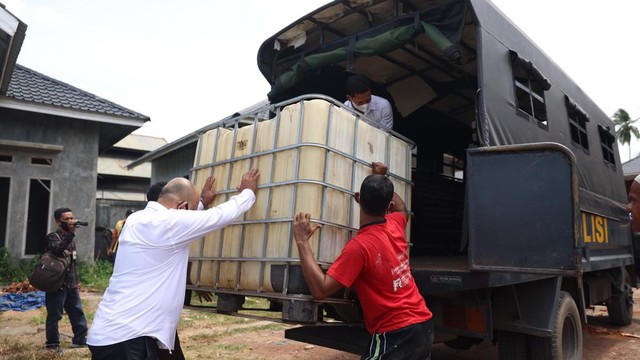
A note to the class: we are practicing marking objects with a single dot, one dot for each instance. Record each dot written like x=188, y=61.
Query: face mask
x=363, y=108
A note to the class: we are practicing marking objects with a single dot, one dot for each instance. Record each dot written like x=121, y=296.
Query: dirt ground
x=210, y=336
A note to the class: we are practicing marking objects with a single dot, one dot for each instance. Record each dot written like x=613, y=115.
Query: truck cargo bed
x=444, y=274
x=440, y=263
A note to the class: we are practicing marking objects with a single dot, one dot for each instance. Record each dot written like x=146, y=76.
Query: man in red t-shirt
x=375, y=262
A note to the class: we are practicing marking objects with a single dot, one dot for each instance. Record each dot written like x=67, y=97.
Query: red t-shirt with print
x=376, y=263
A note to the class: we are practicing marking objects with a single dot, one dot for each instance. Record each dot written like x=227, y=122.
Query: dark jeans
x=176, y=354
x=69, y=300
x=409, y=343
x=140, y=348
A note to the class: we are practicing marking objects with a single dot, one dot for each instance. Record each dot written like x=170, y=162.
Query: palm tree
x=625, y=128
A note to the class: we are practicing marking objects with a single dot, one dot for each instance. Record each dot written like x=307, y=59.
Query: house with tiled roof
x=121, y=188
x=631, y=169
x=52, y=136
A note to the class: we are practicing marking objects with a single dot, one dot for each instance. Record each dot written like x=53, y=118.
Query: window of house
x=37, y=215
x=5, y=184
x=6, y=158
x=41, y=161
x=577, y=124
x=607, y=141
x=530, y=86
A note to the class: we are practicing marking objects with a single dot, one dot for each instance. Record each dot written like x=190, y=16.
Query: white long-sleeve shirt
x=147, y=288
x=379, y=110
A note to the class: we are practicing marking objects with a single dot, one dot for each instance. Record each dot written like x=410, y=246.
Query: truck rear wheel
x=565, y=342
x=620, y=305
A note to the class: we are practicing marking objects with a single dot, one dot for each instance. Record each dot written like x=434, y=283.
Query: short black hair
x=357, y=84
x=57, y=214
x=153, y=193
x=376, y=193
x=129, y=212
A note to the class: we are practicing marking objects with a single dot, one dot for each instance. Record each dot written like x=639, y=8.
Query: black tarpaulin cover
x=442, y=22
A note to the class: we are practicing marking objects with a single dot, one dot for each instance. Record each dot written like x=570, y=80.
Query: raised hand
x=207, y=195
x=249, y=180
x=204, y=295
x=378, y=168
x=303, y=228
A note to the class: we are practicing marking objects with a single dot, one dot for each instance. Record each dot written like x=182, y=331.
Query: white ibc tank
x=312, y=157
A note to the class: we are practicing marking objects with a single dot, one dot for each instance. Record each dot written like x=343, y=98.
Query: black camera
x=82, y=223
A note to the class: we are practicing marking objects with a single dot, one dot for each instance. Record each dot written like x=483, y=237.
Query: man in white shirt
x=141, y=307
x=373, y=107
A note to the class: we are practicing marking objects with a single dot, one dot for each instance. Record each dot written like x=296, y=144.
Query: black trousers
x=176, y=354
x=69, y=300
x=409, y=343
x=141, y=348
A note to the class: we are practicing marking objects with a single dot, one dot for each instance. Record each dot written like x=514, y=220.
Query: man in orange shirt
x=116, y=233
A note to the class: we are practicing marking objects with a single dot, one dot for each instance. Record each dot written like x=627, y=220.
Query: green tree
x=625, y=128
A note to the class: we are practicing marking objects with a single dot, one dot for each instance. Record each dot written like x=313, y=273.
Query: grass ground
x=203, y=335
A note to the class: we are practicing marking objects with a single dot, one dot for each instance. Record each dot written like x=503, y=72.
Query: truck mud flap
x=349, y=338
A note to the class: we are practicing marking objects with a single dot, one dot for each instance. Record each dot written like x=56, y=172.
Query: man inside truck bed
x=375, y=262
x=373, y=107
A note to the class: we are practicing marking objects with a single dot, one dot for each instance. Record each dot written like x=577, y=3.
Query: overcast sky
x=189, y=63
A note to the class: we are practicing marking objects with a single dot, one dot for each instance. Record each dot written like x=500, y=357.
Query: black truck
x=518, y=202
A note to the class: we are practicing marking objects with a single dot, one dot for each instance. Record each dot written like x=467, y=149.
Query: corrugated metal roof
x=32, y=86
x=247, y=113
x=140, y=142
x=118, y=167
x=631, y=167
x=16, y=29
x=121, y=195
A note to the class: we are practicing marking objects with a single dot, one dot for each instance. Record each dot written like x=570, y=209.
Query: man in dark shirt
x=67, y=297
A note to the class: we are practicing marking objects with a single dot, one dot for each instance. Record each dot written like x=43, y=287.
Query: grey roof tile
x=32, y=86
